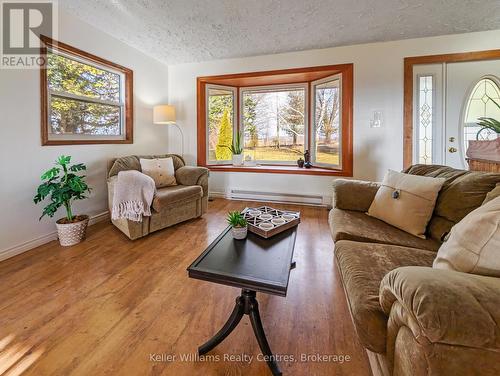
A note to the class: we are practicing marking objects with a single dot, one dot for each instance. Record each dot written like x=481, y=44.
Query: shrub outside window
x=221, y=123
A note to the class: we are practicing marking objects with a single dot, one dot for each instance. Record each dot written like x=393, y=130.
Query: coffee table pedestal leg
x=246, y=304
x=231, y=323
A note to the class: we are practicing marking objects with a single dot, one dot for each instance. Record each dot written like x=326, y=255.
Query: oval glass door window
x=481, y=103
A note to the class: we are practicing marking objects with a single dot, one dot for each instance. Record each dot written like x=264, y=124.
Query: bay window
x=273, y=120
x=220, y=120
x=326, y=121
x=279, y=115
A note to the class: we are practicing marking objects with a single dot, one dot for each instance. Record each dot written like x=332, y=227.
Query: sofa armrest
x=191, y=175
x=353, y=194
x=444, y=306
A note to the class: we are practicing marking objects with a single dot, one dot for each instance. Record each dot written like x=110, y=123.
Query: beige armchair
x=171, y=205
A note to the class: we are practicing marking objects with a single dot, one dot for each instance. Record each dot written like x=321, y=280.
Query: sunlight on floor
x=4, y=342
x=16, y=359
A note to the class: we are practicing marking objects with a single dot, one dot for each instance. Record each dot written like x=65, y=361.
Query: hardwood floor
x=107, y=305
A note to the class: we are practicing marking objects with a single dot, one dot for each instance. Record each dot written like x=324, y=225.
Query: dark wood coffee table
x=254, y=265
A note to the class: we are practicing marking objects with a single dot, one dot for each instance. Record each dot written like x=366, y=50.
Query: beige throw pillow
x=474, y=243
x=160, y=169
x=406, y=201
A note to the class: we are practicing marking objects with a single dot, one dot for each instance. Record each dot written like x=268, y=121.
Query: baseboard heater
x=236, y=194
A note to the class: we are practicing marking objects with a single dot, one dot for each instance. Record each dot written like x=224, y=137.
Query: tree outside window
x=85, y=99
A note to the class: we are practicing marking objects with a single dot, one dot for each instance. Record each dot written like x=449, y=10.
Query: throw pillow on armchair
x=160, y=169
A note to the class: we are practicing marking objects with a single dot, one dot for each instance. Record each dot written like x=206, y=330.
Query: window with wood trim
x=220, y=123
x=327, y=105
x=273, y=121
x=279, y=115
x=85, y=99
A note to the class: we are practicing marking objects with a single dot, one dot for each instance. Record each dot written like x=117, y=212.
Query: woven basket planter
x=239, y=233
x=72, y=233
x=487, y=150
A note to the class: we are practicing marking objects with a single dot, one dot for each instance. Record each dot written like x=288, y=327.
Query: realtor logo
x=22, y=25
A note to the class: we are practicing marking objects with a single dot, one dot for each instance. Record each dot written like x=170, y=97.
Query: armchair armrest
x=353, y=194
x=111, y=191
x=191, y=175
x=443, y=306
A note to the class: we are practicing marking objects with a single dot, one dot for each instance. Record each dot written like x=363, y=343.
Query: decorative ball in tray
x=266, y=221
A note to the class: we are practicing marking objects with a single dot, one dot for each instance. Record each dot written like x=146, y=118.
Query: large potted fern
x=62, y=185
x=484, y=149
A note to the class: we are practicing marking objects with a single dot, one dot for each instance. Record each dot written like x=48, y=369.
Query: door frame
x=409, y=62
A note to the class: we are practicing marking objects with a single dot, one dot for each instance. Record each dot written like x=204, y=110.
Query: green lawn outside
x=284, y=154
x=274, y=154
x=328, y=158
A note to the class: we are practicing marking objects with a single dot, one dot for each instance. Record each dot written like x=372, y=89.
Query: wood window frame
x=408, y=92
x=281, y=77
x=234, y=119
x=312, y=99
x=277, y=88
x=128, y=128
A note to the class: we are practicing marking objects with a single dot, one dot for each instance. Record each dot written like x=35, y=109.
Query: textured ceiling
x=179, y=31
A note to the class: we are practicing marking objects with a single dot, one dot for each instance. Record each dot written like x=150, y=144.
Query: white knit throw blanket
x=133, y=195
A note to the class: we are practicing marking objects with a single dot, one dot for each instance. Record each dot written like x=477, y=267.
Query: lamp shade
x=164, y=114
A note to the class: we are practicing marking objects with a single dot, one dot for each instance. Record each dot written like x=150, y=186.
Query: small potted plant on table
x=63, y=185
x=239, y=225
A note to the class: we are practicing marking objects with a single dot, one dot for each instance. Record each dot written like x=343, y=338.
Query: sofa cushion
x=349, y=194
x=362, y=267
x=358, y=226
x=131, y=162
x=167, y=196
x=474, y=243
x=492, y=194
x=462, y=192
x=406, y=201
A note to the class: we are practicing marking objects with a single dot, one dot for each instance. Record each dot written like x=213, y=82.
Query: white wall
x=378, y=85
x=22, y=159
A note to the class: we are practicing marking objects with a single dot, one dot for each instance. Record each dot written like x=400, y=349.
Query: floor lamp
x=165, y=114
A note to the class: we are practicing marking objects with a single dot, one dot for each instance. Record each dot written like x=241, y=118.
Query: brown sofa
x=171, y=205
x=413, y=319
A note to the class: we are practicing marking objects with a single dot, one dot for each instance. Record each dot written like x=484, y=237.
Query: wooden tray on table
x=266, y=221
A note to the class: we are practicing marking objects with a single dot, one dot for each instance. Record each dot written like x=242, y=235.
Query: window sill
x=276, y=169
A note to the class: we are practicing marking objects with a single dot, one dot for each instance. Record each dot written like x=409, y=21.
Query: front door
x=448, y=100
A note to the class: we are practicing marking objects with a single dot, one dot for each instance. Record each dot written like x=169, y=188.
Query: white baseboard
x=213, y=194
x=282, y=198
x=104, y=216
x=33, y=243
x=23, y=247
